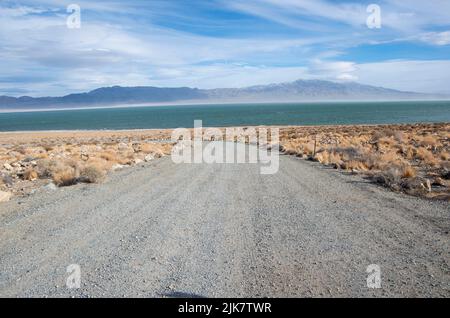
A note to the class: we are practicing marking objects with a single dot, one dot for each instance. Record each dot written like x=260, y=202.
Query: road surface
x=224, y=230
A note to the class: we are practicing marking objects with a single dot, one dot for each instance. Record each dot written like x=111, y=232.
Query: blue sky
x=221, y=43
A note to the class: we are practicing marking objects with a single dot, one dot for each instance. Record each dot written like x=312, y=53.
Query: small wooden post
x=315, y=145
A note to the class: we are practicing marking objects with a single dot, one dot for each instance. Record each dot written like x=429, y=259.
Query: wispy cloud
x=213, y=43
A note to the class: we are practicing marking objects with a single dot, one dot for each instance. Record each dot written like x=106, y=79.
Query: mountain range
x=300, y=90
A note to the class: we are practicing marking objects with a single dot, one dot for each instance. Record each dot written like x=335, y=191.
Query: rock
x=138, y=161
x=439, y=182
x=117, y=167
x=5, y=196
x=427, y=185
x=122, y=146
x=7, y=179
x=51, y=187
x=149, y=157
x=7, y=166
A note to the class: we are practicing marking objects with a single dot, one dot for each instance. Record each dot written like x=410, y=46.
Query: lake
x=327, y=113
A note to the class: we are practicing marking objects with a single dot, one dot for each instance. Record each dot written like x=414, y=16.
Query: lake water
x=341, y=113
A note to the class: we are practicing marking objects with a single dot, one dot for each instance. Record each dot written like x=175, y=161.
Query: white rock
x=138, y=161
x=149, y=157
x=428, y=185
x=51, y=187
x=7, y=166
x=5, y=196
x=117, y=167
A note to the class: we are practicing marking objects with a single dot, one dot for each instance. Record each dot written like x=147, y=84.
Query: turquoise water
x=230, y=115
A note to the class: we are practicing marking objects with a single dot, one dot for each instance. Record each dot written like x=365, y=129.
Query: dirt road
x=224, y=230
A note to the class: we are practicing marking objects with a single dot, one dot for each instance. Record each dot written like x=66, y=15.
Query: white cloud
x=333, y=70
x=407, y=75
x=36, y=43
x=436, y=38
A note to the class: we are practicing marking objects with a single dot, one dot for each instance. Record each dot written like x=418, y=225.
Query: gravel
x=224, y=230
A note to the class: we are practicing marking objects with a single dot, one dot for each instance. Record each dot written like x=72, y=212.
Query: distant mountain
x=300, y=90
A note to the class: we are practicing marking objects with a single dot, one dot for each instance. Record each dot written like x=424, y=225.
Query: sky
x=221, y=43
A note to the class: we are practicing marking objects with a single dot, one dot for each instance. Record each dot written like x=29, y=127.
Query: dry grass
x=65, y=177
x=70, y=158
x=30, y=174
x=109, y=156
x=409, y=158
x=93, y=173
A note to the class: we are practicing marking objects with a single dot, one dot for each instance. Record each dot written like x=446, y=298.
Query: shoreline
x=141, y=130
x=213, y=103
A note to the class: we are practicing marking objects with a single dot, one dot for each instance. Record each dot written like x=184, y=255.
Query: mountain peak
x=299, y=90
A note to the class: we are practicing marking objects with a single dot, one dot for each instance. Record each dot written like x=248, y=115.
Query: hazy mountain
x=294, y=91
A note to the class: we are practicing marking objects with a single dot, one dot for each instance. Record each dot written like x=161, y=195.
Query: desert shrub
x=386, y=141
x=323, y=157
x=46, y=167
x=429, y=141
x=400, y=177
x=65, y=176
x=408, y=171
x=445, y=155
x=426, y=156
x=63, y=172
x=108, y=156
x=48, y=147
x=21, y=149
x=354, y=165
x=290, y=148
x=92, y=174
x=30, y=174
x=388, y=133
x=386, y=160
x=389, y=178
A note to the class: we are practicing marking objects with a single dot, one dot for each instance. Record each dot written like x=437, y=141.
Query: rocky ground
x=161, y=229
x=29, y=161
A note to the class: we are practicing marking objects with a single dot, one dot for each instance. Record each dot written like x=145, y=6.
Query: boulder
x=5, y=196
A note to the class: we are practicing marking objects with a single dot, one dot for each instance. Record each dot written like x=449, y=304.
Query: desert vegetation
x=28, y=161
x=414, y=159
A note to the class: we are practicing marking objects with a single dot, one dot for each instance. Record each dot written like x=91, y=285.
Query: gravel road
x=224, y=230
